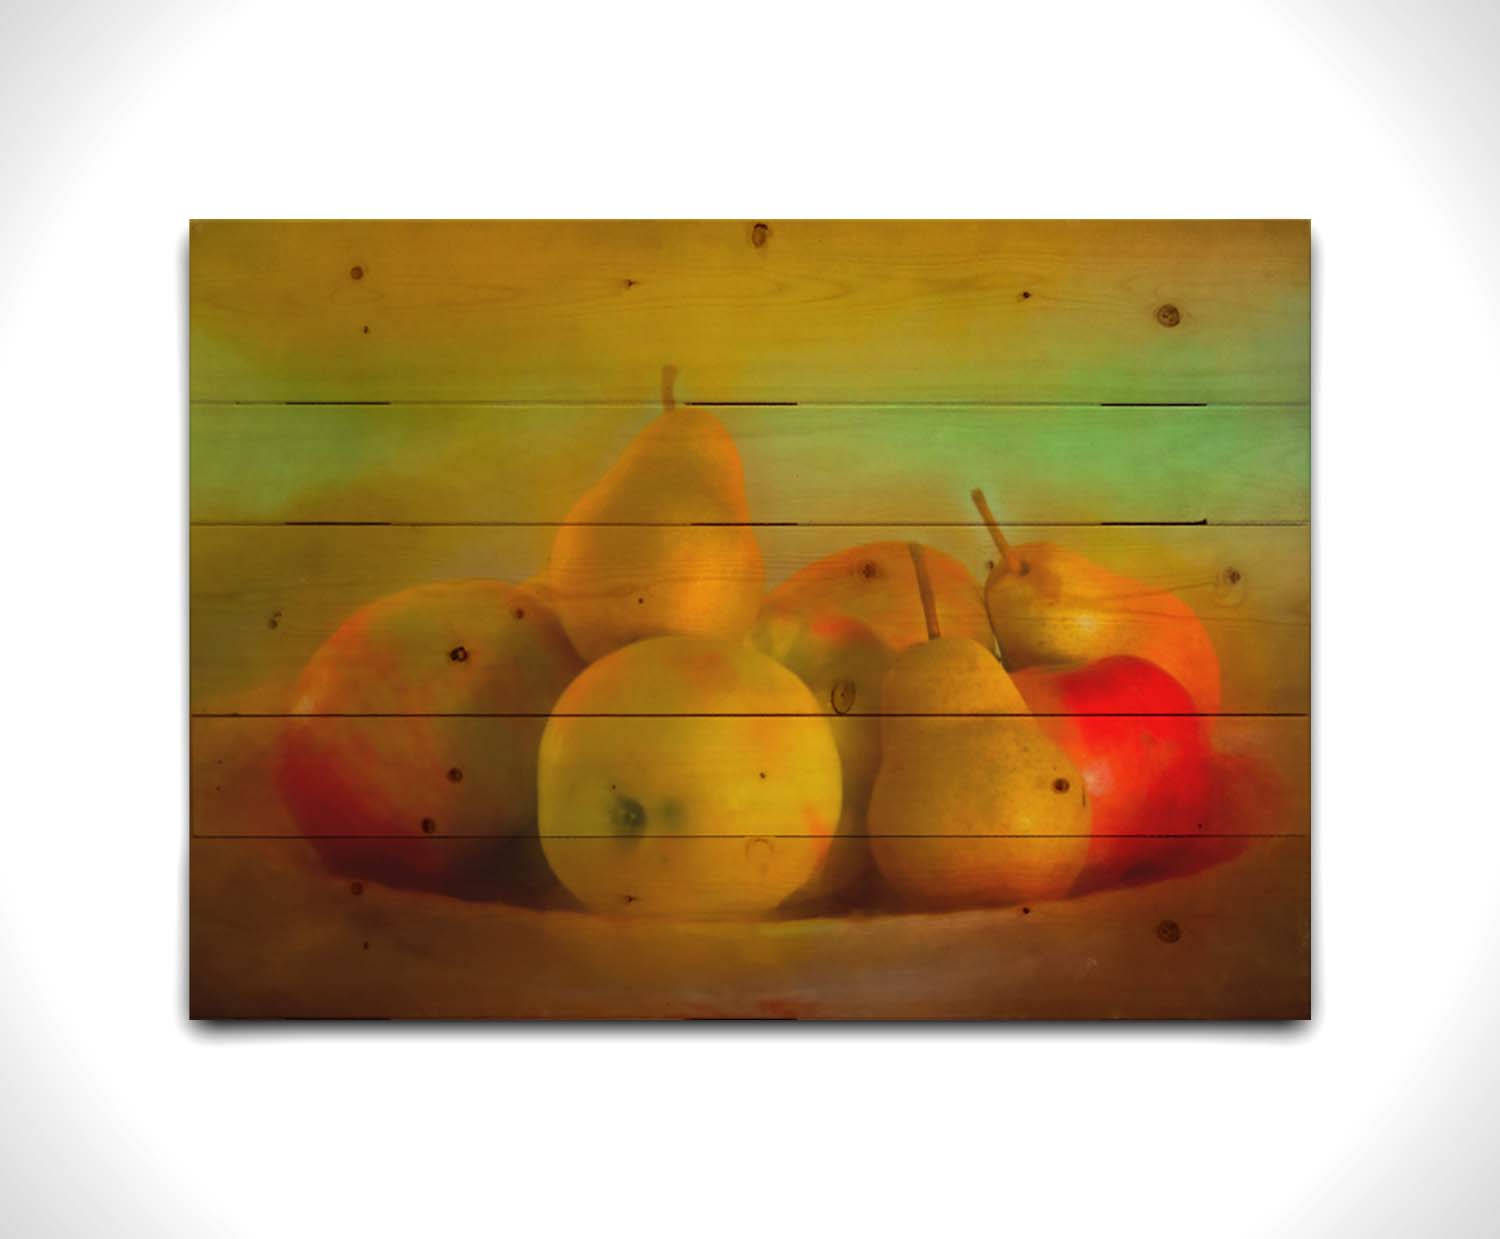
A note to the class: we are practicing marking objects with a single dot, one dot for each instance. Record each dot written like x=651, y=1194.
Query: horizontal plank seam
x=207, y=714
x=1202, y=522
x=206, y=402
x=1207, y=838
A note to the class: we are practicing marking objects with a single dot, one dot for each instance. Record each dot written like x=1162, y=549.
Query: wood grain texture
x=501, y=463
x=263, y=598
x=275, y=937
x=382, y=405
x=879, y=311
x=233, y=772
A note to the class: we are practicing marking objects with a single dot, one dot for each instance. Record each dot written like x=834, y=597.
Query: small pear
x=1049, y=605
x=874, y=583
x=661, y=544
x=974, y=803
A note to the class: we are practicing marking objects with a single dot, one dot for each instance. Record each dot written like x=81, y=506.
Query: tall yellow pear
x=973, y=804
x=661, y=544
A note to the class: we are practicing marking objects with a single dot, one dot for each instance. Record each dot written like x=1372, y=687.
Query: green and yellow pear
x=661, y=543
x=687, y=777
x=974, y=804
x=1049, y=605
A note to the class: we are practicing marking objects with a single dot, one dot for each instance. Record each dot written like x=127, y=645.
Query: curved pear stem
x=668, y=382
x=1008, y=555
x=924, y=587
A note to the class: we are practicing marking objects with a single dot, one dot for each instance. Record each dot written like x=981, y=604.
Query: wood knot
x=759, y=235
x=1060, y=785
x=458, y=654
x=1232, y=576
x=428, y=826
x=869, y=570
x=1168, y=315
x=275, y=620
x=455, y=775
x=1169, y=931
x=356, y=273
x=356, y=888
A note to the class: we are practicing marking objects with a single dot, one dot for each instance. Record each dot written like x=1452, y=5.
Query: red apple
x=1147, y=765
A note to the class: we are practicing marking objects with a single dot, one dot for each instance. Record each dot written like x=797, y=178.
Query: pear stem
x=668, y=382
x=1008, y=555
x=924, y=587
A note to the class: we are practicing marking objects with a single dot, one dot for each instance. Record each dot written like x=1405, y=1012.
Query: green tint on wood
x=1039, y=464
x=883, y=311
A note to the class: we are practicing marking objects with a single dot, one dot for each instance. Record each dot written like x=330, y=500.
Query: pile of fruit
x=645, y=726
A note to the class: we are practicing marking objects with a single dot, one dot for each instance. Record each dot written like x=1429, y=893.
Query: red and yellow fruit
x=383, y=766
x=1144, y=756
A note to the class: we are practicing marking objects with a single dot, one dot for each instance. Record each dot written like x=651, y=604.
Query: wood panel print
x=766, y=619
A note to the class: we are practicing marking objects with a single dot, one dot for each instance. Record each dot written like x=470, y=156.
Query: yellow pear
x=973, y=804
x=843, y=662
x=687, y=777
x=875, y=583
x=1048, y=604
x=660, y=544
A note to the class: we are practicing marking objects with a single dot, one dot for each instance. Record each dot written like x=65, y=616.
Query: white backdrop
x=118, y=122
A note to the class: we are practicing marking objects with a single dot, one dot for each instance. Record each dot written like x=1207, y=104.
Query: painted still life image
x=749, y=619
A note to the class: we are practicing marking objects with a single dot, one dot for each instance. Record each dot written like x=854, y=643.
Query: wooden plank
x=1039, y=464
x=263, y=598
x=474, y=378
x=275, y=937
x=1016, y=311
x=234, y=794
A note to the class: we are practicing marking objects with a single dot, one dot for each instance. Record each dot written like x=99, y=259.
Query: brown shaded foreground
x=273, y=937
